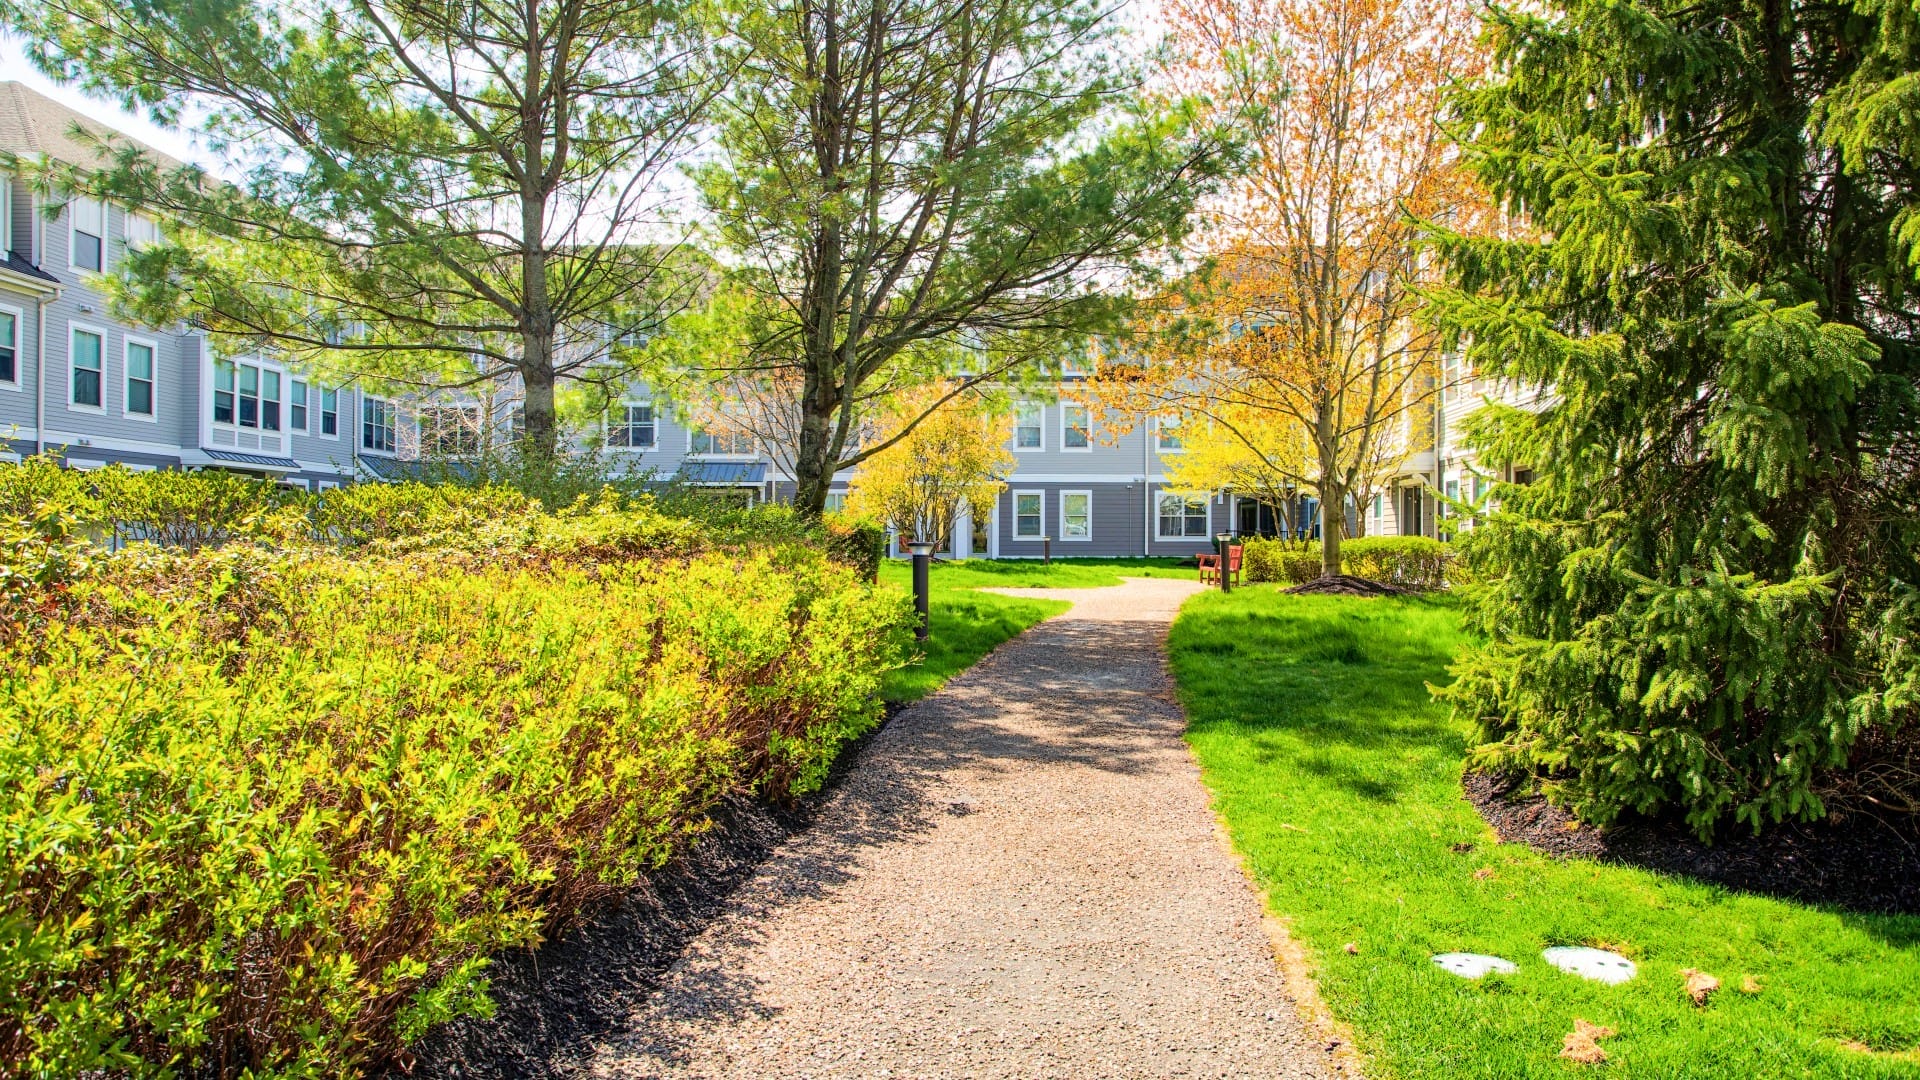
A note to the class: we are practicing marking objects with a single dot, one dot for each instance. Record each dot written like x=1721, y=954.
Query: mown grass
x=966, y=625
x=1338, y=778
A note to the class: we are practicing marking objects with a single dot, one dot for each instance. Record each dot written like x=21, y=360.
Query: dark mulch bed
x=1861, y=863
x=553, y=1001
x=1348, y=585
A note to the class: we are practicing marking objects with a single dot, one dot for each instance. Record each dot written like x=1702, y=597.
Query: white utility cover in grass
x=1469, y=965
x=1596, y=964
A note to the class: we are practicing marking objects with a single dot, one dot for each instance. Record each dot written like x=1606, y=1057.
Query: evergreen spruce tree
x=1706, y=602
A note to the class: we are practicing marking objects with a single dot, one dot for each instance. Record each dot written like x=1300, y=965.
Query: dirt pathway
x=1020, y=879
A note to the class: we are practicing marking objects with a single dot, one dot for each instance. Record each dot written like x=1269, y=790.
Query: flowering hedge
x=271, y=810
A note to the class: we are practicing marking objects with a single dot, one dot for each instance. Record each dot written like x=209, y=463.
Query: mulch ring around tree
x=1348, y=585
x=1859, y=863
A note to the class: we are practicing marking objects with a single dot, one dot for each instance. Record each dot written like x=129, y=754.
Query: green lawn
x=1338, y=778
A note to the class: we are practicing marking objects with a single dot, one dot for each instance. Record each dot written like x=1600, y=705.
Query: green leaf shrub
x=268, y=811
x=858, y=542
x=1278, y=560
x=1417, y=562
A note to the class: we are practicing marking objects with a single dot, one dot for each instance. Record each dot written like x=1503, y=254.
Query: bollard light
x=922, y=552
x=1220, y=544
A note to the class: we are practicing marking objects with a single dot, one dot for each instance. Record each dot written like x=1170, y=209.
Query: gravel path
x=1022, y=878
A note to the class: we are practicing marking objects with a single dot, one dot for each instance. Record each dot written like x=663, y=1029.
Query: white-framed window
x=141, y=231
x=1029, y=426
x=376, y=425
x=142, y=368
x=1076, y=515
x=723, y=443
x=1180, y=516
x=330, y=413
x=1076, y=428
x=9, y=342
x=87, y=234
x=1029, y=515
x=449, y=431
x=1379, y=514
x=87, y=368
x=630, y=426
x=836, y=501
x=6, y=213
x=246, y=395
x=298, y=414
x=1167, y=436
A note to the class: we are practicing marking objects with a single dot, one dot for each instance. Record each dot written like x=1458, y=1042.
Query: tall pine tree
x=1706, y=601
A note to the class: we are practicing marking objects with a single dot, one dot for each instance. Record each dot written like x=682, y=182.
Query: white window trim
x=360, y=425
x=208, y=423
x=709, y=455
x=420, y=424
x=1062, y=536
x=1040, y=409
x=106, y=369
x=314, y=390
x=1161, y=493
x=6, y=213
x=126, y=376
x=286, y=403
x=106, y=232
x=19, y=331
x=1037, y=493
x=607, y=425
x=1159, y=425
x=1064, y=448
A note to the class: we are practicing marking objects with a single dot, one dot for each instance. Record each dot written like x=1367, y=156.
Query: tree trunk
x=813, y=458
x=542, y=429
x=1333, y=523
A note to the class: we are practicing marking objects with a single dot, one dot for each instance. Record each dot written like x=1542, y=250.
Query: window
x=376, y=425
x=246, y=395
x=85, y=372
x=6, y=212
x=330, y=413
x=724, y=443
x=1182, y=517
x=1166, y=434
x=1027, y=431
x=1076, y=515
x=631, y=426
x=1076, y=431
x=297, y=404
x=86, y=238
x=836, y=501
x=449, y=431
x=9, y=341
x=1379, y=513
x=141, y=231
x=140, y=378
x=1027, y=514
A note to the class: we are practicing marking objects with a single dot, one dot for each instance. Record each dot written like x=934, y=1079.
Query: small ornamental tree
x=952, y=455
x=1705, y=603
x=1246, y=451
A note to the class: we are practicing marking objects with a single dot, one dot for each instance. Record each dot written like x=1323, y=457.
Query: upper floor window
x=330, y=412
x=87, y=235
x=449, y=431
x=1166, y=434
x=141, y=231
x=376, y=425
x=1028, y=434
x=140, y=378
x=6, y=212
x=631, y=426
x=297, y=404
x=246, y=395
x=9, y=342
x=1076, y=428
x=722, y=443
x=85, y=368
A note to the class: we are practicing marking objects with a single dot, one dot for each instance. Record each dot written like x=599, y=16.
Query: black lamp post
x=1220, y=543
x=922, y=562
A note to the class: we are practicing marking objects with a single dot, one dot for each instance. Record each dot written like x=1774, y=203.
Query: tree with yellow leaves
x=1244, y=451
x=956, y=456
x=1306, y=321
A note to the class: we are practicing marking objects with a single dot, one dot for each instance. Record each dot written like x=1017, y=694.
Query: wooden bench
x=1210, y=566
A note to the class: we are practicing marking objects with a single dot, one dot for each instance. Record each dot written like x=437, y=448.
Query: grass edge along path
x=966, y=624
x=1337, y=777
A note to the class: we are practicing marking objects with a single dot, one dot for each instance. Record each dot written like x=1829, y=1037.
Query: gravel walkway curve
x=1022, y=878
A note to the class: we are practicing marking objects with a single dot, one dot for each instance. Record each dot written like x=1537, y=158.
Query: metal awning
x=258, y=461
x=722, y=473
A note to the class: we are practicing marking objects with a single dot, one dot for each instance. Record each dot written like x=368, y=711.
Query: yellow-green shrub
x=272, y=812
x=1417, y=562
x=1290, y=561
